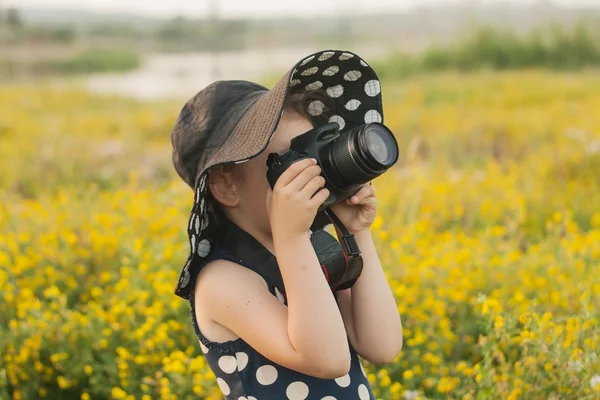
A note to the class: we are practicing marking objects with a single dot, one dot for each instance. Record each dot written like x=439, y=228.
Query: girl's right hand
x=295, y=198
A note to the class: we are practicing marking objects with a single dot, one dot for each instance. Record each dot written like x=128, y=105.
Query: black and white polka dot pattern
x=348, y=81
x=269, y=380
x=355, y=91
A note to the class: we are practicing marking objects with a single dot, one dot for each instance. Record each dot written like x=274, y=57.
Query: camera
x=347, y=160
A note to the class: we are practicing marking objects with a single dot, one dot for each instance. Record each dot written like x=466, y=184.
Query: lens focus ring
x=347, y=166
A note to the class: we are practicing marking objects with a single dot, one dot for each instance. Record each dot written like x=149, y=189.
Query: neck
x=263, y=237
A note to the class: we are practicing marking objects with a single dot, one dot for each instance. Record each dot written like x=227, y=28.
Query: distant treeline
x=553, y=47
x=85, y=62
x=176, y=34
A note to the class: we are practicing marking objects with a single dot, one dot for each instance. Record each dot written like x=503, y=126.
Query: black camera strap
x=340, y=260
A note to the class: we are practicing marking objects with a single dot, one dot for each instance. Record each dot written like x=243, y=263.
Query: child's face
x=254, y=184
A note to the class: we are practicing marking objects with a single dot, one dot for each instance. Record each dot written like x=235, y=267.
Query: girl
x=259, y=343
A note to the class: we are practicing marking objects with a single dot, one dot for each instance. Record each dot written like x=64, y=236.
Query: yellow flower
x=63, y=382
x=514, y=395
x=85, y=396
x=408, y=374
x=118, y=393
x=88, y=369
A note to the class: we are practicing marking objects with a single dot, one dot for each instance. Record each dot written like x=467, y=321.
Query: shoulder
x=222, y=278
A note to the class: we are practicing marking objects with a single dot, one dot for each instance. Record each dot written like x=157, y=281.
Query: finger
x=300, y=181
x=294, y=170
x=364, y=193
x=319, y=198
x=312, y=186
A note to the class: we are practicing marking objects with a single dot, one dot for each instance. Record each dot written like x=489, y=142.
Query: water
x=182, y=75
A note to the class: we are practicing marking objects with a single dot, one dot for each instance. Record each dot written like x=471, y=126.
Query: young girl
x=259, y=343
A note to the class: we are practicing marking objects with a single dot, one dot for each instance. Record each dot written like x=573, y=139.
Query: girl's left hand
x=359, y=211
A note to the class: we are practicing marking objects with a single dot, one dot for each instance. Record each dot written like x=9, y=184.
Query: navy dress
x=244, y=374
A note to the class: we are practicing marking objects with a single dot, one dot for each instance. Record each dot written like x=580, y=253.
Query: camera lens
x=360, y=155
x=379, y=145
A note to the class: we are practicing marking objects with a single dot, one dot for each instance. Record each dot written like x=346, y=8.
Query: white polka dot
x=363, y=63
x=242, y=360
x=352, y=105
x=297, y=391
x=295, y=82
x=346, y=56
x=251, y=398
x=225, y=387
x=204, y=348
x=329, y=398
x=201, y=206
x=310, y=71
x=314, y=86
x=307, y=60
x=326, y=56
x=193, y=241
x=372, y=116
x=316, y=108
x=373, y=88
x=363, y=392
x=343, y=381
x=197, y=224
x=352, y=75
x=266, y=375
x=204, y=222
x=335, y=91
x=185, y=279
x=331, y=71
x=192, y=221
x=242, y=398
x=228, y=364
x=363, y=370
x=339, y=120
x=203, y=248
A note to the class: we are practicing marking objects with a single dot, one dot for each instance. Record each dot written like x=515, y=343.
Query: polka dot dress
x=244, y=374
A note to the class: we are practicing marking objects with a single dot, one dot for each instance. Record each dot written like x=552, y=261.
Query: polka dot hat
x=233, y=121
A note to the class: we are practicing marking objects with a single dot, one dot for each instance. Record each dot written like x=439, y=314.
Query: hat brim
x=348, y=80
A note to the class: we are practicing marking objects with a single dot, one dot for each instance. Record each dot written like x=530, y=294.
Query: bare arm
x=308, y=336
x=369, y=309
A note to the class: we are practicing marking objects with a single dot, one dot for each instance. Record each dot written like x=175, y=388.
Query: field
x=489, y=230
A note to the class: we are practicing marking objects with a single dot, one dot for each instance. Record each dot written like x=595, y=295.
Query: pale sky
x=231, y=8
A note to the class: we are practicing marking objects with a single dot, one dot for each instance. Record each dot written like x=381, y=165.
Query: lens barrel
x=360, y=155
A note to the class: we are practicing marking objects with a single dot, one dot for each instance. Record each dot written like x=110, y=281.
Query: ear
x=222, y=185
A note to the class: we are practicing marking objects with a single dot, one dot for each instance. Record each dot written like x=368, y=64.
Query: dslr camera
x=347, y=161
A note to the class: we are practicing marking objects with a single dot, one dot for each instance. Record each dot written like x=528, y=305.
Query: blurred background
x=488, y=228
x=156, y=50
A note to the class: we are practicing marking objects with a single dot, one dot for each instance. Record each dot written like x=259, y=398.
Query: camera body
x=347, y=161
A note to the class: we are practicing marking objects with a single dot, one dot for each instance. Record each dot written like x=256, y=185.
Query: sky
x=266, y=8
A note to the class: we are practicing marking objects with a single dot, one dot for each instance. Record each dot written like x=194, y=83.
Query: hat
x=233, y=121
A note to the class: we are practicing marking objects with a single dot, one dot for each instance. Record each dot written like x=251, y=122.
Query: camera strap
x=340, y=261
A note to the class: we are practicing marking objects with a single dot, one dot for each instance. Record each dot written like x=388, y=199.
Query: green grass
x=552, y=47
x=85, y=62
